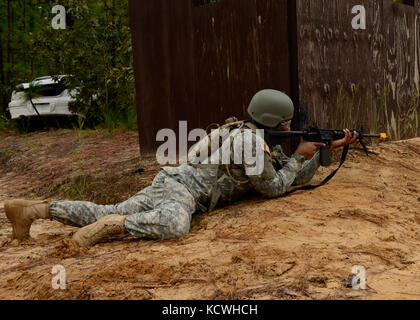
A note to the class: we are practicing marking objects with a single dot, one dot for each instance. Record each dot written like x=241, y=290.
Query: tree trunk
x=9, y=20
x=1, y=63
x=24, y=31
x=3, y=100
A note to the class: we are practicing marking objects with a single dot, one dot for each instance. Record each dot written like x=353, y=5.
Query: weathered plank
x=401, y=71
x=364, y=63
x=241, y=46
x=163, y=65
x=333, y=58
x=203, y=62
x=383, y=58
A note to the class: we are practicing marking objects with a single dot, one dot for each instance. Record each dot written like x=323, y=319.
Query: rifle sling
x=326, y=180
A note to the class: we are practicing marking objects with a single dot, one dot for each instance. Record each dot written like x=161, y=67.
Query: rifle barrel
x=286, y=134
x=371, y=135
x=381, y=136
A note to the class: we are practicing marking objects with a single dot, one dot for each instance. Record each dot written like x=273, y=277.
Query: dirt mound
x=300, y=247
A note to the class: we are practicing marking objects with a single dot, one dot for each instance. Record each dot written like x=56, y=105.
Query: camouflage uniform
x=164, y=210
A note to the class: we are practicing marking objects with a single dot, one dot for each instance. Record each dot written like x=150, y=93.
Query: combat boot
x=22, y=213
x=104, y=229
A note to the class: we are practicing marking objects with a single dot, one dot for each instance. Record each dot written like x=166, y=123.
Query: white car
x=52, y=98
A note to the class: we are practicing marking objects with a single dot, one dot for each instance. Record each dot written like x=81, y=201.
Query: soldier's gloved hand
x=278, y=157
x=308, y=149
x=277, y=152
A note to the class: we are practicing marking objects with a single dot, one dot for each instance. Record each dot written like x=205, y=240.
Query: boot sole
x=100, y=231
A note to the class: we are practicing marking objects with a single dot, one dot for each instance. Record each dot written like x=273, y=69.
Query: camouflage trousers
x=161, y=211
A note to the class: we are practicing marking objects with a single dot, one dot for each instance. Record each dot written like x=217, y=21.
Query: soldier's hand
x=308, y=149
x=346, y=141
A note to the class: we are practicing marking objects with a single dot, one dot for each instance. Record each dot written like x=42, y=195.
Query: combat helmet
x=270, y=108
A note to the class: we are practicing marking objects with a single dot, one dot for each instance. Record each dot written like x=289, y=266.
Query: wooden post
x=294, y=68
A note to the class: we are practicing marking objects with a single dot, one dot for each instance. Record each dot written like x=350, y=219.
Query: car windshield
x=51, y=90
x=44, y=86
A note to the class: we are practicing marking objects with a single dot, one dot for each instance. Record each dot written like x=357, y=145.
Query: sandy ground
x=299, y=247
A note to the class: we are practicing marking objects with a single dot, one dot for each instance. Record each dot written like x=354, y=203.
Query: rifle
x=314, y=134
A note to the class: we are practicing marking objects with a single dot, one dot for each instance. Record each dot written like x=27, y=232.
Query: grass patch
x=6, y=123
x=359, y=110
x=88, y=187
x=6, y=155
